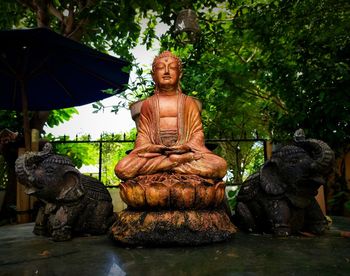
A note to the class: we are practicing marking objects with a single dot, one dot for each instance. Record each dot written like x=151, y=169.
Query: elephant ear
x=271, y=181
x=72, y=189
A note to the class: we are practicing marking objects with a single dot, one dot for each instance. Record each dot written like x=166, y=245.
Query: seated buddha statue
x=172, y=183
x=170, y=134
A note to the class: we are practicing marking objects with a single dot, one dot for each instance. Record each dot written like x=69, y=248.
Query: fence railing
x=100, y=143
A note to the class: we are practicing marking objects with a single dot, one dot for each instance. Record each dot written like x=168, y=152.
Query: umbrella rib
x=14, y=93
x=61, y=84
x=13, y=71
x=40, y=65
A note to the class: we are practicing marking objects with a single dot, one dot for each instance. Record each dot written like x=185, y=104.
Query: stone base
x=183, y=227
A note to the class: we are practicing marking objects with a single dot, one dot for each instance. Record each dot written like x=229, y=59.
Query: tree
x=305, y=62
x=106, y=25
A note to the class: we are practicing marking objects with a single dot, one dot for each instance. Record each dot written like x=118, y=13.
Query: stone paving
x=23, y=253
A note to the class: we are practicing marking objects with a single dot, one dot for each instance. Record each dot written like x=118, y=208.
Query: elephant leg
x=315, y=221
x=62, y=223
x=103, y=218
x=279, y=216
x=95, y=219
x=40, y=227
x=244, y=218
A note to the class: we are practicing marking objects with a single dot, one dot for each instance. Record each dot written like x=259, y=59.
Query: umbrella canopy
x=56, y=72
x=42, y=70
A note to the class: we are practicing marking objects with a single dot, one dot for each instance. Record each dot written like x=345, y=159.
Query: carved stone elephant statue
x=74, y=203
x=280, y=199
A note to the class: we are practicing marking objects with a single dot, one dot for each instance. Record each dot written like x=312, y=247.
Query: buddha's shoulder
x=195, y=101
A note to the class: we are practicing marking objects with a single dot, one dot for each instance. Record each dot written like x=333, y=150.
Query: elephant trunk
x=26, y=164
x=320, y=152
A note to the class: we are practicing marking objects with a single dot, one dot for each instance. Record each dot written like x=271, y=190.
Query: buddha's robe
x=189, y=132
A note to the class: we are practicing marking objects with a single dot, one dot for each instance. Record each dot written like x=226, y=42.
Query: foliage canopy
x=262, y=68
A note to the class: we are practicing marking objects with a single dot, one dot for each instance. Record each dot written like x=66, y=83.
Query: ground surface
x=23, y=253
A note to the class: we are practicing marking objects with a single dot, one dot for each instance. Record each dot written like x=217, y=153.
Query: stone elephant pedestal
x=172, y=209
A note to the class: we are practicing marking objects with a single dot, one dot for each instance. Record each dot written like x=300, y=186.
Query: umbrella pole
x=26, y=127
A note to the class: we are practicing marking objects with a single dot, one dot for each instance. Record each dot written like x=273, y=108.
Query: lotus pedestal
x=170, y=208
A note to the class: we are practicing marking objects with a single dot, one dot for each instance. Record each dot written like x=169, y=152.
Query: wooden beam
x=23, y=200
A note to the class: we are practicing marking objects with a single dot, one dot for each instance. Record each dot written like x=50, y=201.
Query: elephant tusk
x=30, y=191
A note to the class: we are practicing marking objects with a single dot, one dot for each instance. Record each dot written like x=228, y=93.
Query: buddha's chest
x=168, y=107
x=168, y=112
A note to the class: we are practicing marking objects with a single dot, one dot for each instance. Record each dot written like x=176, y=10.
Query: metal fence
x=238, y=153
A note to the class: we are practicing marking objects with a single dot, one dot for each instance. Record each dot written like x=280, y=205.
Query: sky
x=87, y=122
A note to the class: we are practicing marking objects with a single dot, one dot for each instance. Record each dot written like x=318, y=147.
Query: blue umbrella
x=42, y=70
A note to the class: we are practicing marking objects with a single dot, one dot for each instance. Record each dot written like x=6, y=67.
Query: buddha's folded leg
x=133, y=165
x=209, y=166
x=129, y=166
x=155, y=165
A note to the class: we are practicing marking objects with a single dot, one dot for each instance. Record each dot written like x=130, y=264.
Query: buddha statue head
x=166, y=72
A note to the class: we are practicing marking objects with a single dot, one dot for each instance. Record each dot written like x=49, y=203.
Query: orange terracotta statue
x=170, y=134
x=172, y=183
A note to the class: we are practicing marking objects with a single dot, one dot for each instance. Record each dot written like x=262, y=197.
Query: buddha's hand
x=156, y=148
x=180, y=149
x=152, y=151
x=184, y=158
x=149, y=154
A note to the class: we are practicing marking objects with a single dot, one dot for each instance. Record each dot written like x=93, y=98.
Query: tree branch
x=77, y=32
x=27, y=3
x=55, y=12
x=69, y=21
x=252, y=55
x=276, y=100
x=242, y=58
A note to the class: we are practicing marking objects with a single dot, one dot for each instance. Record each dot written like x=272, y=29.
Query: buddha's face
x=166, y=73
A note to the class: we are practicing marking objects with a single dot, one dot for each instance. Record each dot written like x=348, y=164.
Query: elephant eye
x=50, y=169
x=294, y=161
